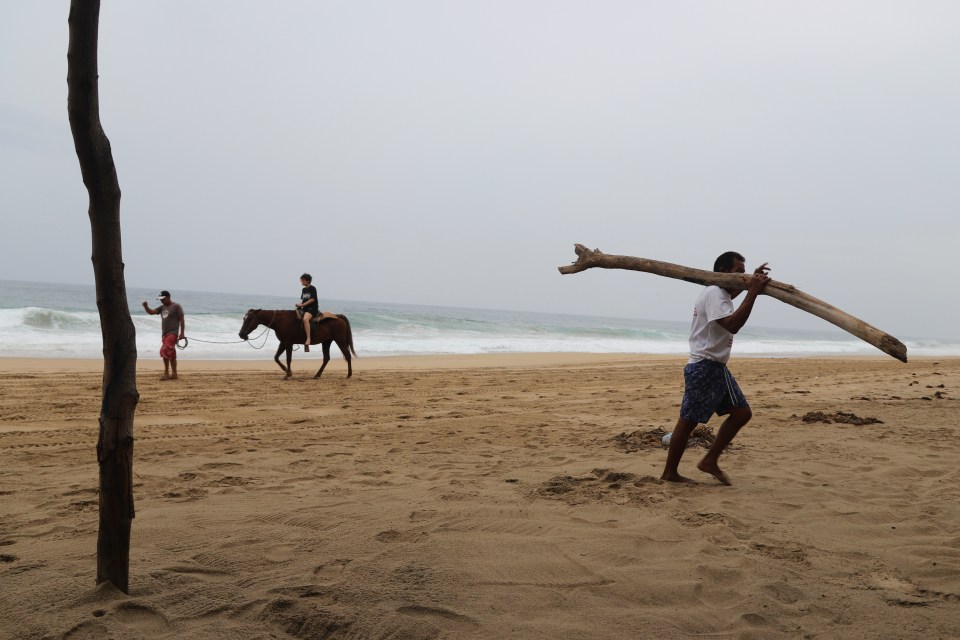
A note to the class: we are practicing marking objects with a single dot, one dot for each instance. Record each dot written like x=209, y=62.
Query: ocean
x=47, y=320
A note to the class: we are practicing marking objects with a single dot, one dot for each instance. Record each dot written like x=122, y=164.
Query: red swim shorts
x=169, y=349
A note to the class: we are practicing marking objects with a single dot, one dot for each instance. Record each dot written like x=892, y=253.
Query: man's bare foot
x=164, y=377
x=306, y=348
x=674, y=477
x=715, y=471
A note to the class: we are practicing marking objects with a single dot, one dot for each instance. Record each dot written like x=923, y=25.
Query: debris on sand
x=603, y=485
x=702, y=436
x=841, y=417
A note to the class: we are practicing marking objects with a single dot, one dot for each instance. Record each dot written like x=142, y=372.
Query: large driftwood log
x=587, y=259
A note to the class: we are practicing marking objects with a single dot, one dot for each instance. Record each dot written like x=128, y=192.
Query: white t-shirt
x=708, y=340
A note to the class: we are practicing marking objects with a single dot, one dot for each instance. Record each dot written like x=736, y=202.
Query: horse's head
x=251, y=320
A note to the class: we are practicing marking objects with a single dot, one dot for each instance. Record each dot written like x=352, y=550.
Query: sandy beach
x=505, y=496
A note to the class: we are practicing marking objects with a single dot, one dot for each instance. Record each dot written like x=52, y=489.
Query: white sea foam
x=214, y=319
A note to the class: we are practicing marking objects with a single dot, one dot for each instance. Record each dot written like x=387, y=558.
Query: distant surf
x=47, y=320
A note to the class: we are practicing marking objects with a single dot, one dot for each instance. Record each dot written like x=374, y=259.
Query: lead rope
x=248, y=341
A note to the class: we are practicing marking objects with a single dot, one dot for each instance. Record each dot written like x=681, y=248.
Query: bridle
x=256, y=315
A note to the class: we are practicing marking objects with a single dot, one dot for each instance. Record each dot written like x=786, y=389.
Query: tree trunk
x=587, y=259
x=120, y=397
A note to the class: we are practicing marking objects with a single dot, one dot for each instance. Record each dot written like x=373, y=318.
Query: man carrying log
x=709, y=387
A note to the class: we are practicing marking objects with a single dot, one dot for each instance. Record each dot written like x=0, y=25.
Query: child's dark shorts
x=709, y=388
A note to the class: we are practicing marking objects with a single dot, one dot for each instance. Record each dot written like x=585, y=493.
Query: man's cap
x=163, y=294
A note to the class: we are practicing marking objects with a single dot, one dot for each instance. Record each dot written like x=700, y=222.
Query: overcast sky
x=452, y=152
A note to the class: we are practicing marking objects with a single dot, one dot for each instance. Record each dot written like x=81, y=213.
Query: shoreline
x=369, y=363
x=421, y=362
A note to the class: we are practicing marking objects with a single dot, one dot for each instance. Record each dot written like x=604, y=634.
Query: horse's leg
x=345, y=350
x=276, y=357
x=326, y=357
x=289, y=357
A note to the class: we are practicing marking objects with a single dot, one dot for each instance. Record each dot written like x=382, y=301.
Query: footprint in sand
x=439, y=615
x=87, y=631
x=898, y=591
x=392, y=535
x=280, y=552
x=145, y=619
x=783, y=592
x=332, y=570
x=754, y=620
x=188, y=495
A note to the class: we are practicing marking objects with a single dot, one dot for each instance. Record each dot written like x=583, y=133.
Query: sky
x=451, y=152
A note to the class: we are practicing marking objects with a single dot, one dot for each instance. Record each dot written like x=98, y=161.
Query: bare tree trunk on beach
x=587, y=259
x=120, y=396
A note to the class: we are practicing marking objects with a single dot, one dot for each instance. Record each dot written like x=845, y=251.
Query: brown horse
x=288, y=328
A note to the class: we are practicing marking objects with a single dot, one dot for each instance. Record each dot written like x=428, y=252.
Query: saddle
x=323, y=315
x=320, y=317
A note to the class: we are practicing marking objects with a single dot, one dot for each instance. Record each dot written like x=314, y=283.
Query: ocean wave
x=31, y=331
x=48, y=319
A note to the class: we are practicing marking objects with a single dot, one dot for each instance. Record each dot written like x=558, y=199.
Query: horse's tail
x=349, y=334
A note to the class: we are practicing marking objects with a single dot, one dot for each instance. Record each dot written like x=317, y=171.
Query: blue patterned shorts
x=709, y=388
